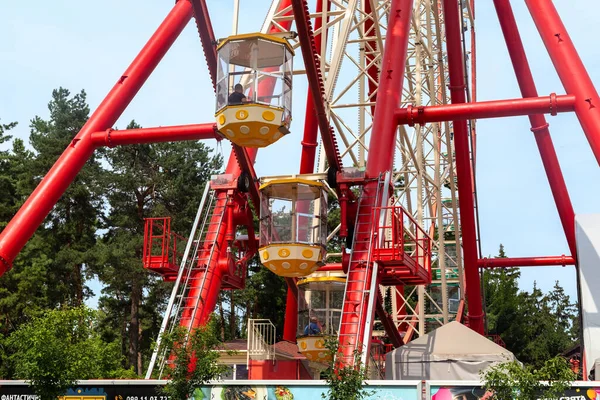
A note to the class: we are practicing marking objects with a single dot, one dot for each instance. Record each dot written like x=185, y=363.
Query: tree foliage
x=72, y=224
x=50, y=270
x=148, y=180
x=511, y=380
x=96, y=228
x=535, y=326
x=55, y=350
x=195, y=357
x=346, y=382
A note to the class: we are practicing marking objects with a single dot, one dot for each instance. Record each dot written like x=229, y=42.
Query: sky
x=87, y=45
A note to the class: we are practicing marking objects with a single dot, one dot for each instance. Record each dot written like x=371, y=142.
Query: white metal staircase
x=197, y=257
x=261, y=340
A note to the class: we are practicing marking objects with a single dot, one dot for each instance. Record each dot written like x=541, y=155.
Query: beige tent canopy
x=452, y=352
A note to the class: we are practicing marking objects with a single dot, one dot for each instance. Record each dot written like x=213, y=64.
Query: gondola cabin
x=254, y=89
x=293, y=226
x=320, y=303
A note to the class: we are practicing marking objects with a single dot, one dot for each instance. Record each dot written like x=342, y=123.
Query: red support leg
x=381, y=150
x=307, y=166
x=473, y=86
x=315, y=81
x=383, y=142
x=570, y=69
x=463, y=167
x=54, y=184
x=539, y=126
x=207, y=284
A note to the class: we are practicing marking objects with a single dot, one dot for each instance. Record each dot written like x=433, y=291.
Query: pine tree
x=535, y=326
x=7, y=187
x=49, y=271
x=71, y=226
x=501, y=299
x=148, y=180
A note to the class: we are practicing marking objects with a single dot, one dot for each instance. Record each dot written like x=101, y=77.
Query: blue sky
x=87, y=45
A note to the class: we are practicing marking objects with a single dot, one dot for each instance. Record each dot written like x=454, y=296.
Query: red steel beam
x=113, y=137
x=331, y=267
x=207, y=36
x=463, y=166
x=242, y=159
x=44, y=197
x=381, y=148
x=307, y=165
x=370, y=50
x=311, y=123
x=460, y=311
x=570, y=69
x=388, y=322
x=391, y=81
x=552, y=104
x=526, y=262
x=539, y=126
x=206, y=285
x=315, y=81
x=473, y=86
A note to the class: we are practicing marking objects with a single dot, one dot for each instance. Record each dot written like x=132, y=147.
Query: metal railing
x=160, y=251
x=261, y=340
x=401, y=235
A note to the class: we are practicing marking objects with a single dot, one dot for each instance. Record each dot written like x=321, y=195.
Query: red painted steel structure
x=552, y=104
x=539, y=126
x=380, y=161
x=315, y=81
x=113, y=137
x=569, y=67
x=372, y=69
x=307, y=164
x=463, y=167
x=38, y=205
x=581, y=97
x=526, y=262
x=206, y=284
x=160, y=252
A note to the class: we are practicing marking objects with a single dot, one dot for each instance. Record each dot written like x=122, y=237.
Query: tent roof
x=453, y=341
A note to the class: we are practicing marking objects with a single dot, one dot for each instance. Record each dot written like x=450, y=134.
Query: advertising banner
x=451, y=392
x=232, y=390
x=292, y=392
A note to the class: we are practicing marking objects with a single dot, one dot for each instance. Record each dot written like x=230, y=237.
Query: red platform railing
x=160, y=247
x=401, y=242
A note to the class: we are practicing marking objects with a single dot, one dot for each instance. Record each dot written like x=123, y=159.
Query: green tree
x=71, y=226
x=195, y=359
x=346, y=382
x=501, y=290
x=513, y=381
x=535, y=326
x=263, y=297
x=55, y=350
x=7, y=187
x=548, y=327
x=164, y=179
x=50, y=270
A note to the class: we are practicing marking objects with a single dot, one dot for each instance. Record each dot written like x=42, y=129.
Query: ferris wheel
x=386, y=132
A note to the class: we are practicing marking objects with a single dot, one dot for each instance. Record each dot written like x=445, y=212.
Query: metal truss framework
x=362, y=91
x=424, y=173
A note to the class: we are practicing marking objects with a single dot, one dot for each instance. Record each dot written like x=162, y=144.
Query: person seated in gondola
x=313, y=327
x=238, y=96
